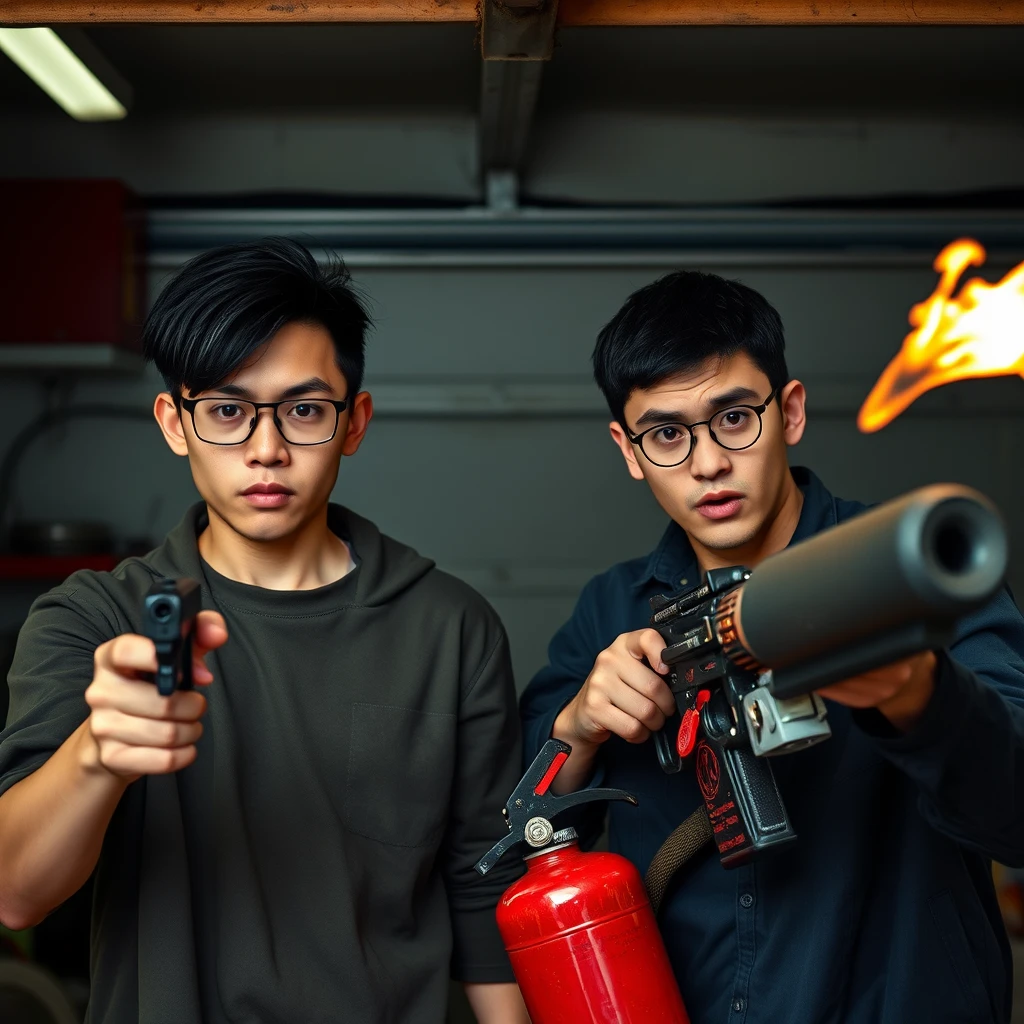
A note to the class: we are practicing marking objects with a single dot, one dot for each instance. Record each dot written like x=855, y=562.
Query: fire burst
x=978, y=333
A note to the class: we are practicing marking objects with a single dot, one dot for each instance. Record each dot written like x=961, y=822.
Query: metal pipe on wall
x=583, y=237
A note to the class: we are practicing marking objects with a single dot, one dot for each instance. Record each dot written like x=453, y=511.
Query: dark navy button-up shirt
x=883, y=911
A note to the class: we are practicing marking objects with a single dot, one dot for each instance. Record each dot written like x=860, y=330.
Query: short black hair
x=227, y=302
x=678, y=323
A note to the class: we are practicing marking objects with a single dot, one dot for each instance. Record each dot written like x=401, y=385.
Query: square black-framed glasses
x=192, y=403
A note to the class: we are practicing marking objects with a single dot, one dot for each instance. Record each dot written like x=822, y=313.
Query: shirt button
x=738, y=1004
x=746, y=901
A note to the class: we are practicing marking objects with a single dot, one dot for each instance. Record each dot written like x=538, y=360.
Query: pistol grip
x=743, y=802
x=174, y=665
x=166, y=675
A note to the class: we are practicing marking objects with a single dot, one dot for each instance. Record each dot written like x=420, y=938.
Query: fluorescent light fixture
x=64, y=74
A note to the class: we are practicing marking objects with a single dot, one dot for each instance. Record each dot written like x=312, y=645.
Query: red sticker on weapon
x=709, y=772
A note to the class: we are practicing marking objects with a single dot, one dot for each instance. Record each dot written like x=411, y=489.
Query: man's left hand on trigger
x=901, y=691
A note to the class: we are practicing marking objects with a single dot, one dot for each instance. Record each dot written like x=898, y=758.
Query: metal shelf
x=55, y=358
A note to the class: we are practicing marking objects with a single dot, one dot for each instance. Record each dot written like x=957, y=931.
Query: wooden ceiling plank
x=791, y=12
x=91, y=12
x=571, y=12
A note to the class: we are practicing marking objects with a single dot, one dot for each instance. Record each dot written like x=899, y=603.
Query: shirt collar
x=674, y=565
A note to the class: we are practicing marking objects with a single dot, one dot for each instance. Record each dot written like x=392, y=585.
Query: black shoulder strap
x=680, y=846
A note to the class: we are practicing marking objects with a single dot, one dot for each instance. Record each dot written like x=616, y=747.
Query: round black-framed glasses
x=230, y=421
x=670, y=444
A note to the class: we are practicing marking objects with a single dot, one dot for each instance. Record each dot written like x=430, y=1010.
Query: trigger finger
x=652, y=644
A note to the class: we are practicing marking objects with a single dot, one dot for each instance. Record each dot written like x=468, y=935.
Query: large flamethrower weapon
x=746, y=650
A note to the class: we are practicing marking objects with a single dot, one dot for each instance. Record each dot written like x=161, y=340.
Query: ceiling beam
x=508, y=99
x=517, y=37
x=572, y=12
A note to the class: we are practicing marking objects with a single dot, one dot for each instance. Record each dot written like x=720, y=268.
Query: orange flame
x=978, y=333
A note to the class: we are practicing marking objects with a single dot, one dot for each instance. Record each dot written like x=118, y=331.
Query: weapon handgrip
x=757, y=793
x=762, y=819
x=166, y=675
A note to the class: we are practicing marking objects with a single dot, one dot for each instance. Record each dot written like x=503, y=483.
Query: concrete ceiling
x=190, y=70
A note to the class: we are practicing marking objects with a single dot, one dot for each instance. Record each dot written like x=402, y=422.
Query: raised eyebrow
x=660, y=416
x=734, y=396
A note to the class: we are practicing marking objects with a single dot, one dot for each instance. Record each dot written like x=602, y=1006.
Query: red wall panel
x=71, y=263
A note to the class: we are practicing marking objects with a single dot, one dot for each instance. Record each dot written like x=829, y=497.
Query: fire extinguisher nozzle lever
x=532, y=798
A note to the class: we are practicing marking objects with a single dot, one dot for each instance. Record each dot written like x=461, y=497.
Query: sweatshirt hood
x=385, y=567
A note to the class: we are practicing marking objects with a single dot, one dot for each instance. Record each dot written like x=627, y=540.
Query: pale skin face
x=756, y=481
x=282, y=542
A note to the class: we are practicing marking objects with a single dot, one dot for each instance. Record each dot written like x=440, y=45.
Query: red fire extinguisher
x=578, y=927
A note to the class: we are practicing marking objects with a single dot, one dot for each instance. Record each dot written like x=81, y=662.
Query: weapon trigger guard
x=665, y=747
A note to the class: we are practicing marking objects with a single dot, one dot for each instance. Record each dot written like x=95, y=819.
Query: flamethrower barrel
x=884, y=585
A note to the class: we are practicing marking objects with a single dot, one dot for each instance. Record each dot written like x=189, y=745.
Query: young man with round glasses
x=883, y=912
x=294, y=841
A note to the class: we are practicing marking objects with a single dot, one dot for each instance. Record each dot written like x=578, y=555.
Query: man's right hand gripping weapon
x=137, y=728
x=746, y=650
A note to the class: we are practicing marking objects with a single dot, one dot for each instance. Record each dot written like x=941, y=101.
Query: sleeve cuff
x=541, y=733
x=538, y=732
x=478, y=954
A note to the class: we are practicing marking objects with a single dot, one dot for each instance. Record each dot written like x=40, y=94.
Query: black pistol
x=747, y=649
x=169, y=613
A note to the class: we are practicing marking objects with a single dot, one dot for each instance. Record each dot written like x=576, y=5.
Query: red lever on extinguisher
x=578, y=927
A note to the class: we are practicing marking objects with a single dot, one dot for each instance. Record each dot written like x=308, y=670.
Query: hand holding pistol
x=136, y=727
